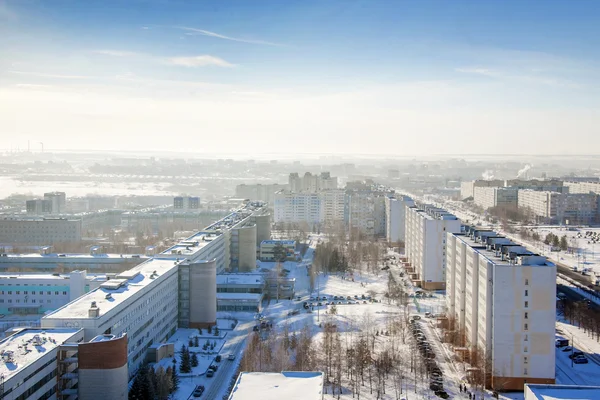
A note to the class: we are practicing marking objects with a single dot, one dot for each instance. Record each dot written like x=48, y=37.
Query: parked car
x=231, y=357
x=210, y=373
x=568, y=348
x=561, y=342
x=218, y=358
x=576, y=354
x=214, y=367
x=198, y=391
x=580, y=360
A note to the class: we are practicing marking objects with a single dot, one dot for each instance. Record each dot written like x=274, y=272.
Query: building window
x=33, y=292
x=56, y=293
x=18, y=292
x=525, y=360
x=526, y=327
x=526, y=282
x=526, y=315
x=526, y=304
x=526, y=337
x=526, y=292
x=524, y=371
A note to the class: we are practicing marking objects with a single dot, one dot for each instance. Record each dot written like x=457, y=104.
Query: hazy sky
x=389, y=77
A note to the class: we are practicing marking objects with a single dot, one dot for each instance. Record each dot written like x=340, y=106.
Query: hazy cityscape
x=299, y=200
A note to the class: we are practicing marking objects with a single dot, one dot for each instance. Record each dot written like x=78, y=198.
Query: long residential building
x=560, y=208
x=492, y=197
x=311, y=183
x=467, y=188
x=395, y=217
x=501, y=305
x=426, y=231
x=39, y=231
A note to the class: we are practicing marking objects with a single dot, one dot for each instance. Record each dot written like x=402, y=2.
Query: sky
x=339, y=77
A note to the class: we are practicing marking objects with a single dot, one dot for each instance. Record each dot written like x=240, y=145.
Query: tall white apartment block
x=467, y=189
x=490, y=197
x=562, y=208
x=395, y=217
x=311, y=183
x=501, y=303
x=426, y=244
x=313, y=209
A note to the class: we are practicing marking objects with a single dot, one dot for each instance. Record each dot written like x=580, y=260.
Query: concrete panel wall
x=247, y=248
x=203, y=294
x=263, y=228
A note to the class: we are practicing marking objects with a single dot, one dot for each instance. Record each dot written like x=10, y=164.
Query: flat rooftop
x=562, y=392
x=129, y=283
x=21, y=349
x=240, y=279
x=491, y=254
x=278, y=386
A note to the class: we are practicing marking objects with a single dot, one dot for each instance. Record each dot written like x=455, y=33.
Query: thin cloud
x=203, y=32
x=199, y=61
x=44, y=75
x=117, y=53
x=478, y=71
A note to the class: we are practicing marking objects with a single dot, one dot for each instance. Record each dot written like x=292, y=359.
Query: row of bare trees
x=361, y=356
x=578, y=313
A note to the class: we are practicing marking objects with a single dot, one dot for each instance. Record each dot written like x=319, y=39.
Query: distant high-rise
x=58, y=200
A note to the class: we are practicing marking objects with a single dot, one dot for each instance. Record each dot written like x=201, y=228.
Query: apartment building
x=395, y=217
x=313, y=209
x=560, y=208
x=501, y=303
x=583, y=187
x=425, y=245
x=61, y=364
x=58, y=201
x=259, y=191
x=186, y=203
x=38, y=207
x=467, y=189
x=311, y=183
x=491, y=197
x=552, y=185
x=39, y=231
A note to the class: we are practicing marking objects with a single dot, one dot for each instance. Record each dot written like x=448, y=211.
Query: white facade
x=58, y=201
x=395, y=218
x=426, y=243
x=490, y=197
x=311, y=183
x=467, y=189
x=313, y=209
x=502, y=299
x=37, y=294
x=555, y=207
x=143, y=302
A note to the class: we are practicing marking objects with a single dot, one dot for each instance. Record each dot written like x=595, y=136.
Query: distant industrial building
x=501, y=307
x=426, y=231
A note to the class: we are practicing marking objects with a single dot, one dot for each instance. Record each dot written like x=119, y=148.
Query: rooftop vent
x=8, y=357
x=94, y=311
x=108, y=296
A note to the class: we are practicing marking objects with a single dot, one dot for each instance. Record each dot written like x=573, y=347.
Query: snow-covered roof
x=561, y=392
x=26, y=346
x=277, y=386
x=240, y=279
